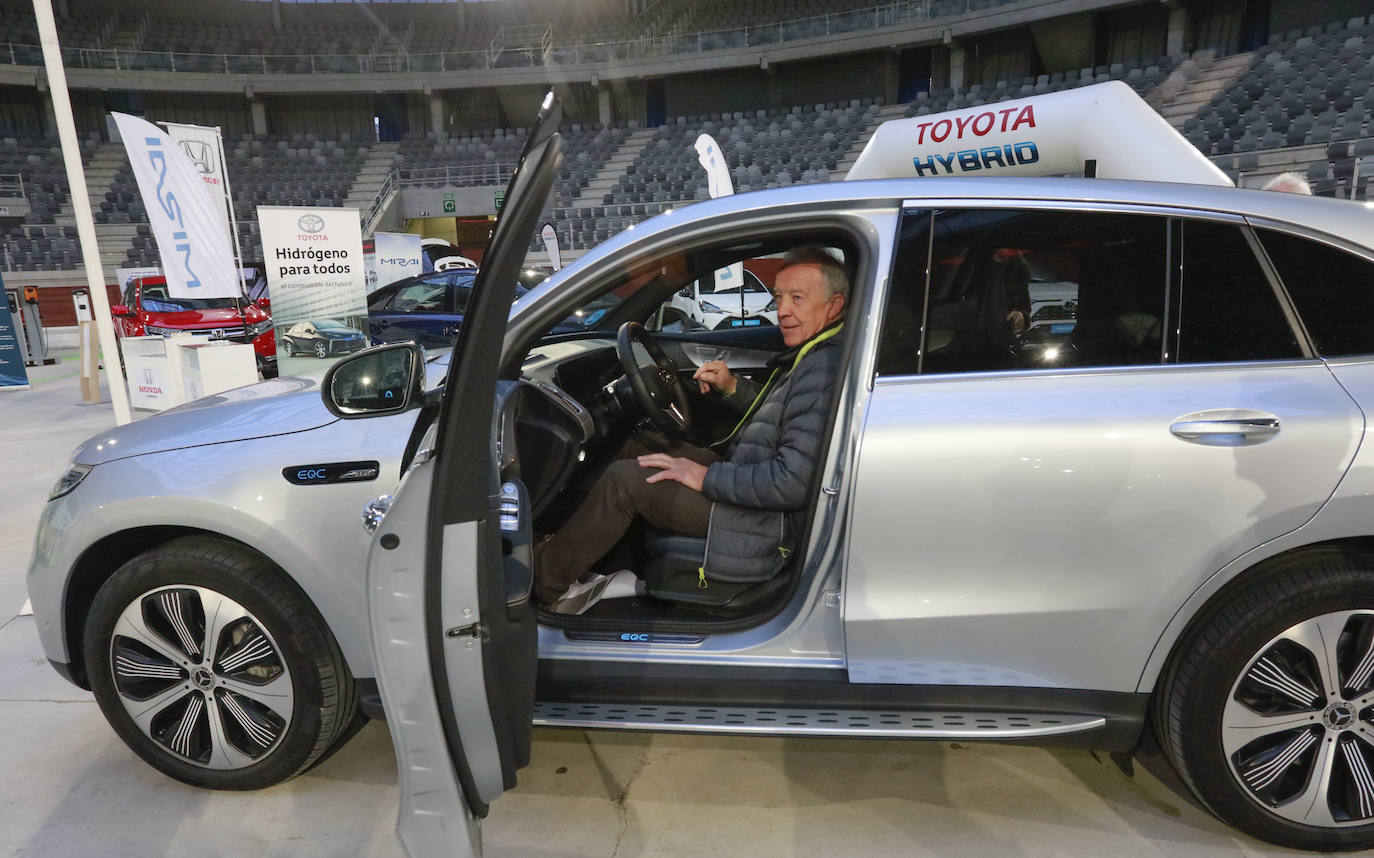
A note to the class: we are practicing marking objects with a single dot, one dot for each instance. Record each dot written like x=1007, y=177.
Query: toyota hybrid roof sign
x=1106, y=125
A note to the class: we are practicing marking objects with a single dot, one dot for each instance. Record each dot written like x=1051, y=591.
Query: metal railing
x=461, y=176
x=503, y=51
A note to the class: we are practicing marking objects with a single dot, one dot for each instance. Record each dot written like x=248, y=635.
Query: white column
x=81, y=206
x=437, y=112
x=956, y=67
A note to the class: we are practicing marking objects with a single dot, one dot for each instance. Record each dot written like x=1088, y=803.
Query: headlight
x=772, y=306
x=259, y=328
x=68, y=481
x=155, y=331
x=708, y=307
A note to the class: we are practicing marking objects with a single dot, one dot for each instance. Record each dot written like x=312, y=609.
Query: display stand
x=212, y=367
x=155, y=382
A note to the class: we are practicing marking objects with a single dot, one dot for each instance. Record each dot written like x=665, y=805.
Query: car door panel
x=431, y=801
x=1044, y=528
x=473, y=638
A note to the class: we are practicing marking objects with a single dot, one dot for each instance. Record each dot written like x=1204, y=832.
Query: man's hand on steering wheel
x=656, y=386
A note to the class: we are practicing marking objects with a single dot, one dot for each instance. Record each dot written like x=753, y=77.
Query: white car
x=711, y=307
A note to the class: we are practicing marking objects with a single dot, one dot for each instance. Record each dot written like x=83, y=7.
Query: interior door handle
x=1226, y=428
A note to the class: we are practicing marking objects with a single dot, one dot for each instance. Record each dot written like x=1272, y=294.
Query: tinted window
x=1332, y=290
x=377, y=301
x=1013, y=289
x=426, y=296
x=1228, y=309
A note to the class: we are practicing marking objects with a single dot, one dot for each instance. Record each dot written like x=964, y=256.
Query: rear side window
x=1332, y=290
x=1228, y=310
x=421, y=297
x=1014, y=289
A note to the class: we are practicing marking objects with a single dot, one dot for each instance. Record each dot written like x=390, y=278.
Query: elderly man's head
x=1288, y=183
x=811, y=288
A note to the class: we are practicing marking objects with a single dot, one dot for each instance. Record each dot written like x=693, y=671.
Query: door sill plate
x=873, y=723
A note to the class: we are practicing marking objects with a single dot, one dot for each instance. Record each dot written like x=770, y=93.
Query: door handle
x=1226, y=428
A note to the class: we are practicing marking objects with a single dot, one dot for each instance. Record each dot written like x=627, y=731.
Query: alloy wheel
x=1298, y=725
x=201, y=677
x=321, y=350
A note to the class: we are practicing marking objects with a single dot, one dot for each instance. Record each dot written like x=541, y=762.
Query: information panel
x=12, y=372
x=315, y=272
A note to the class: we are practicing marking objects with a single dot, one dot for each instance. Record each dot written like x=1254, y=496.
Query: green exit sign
x=500, y=198
x=450, y=207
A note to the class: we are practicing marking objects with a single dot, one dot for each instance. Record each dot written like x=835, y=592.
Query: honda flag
x=205, y=148
x=719, y=185
x=550, y=238
x=196, y=251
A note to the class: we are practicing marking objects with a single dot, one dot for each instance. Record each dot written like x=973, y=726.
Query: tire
x=321, y=349
x=247, y=706
x=287, y=349
x=1267, y=709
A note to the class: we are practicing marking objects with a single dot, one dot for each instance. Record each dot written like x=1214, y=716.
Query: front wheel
x=1268, y=712
x=321, y=349
x=215, y=670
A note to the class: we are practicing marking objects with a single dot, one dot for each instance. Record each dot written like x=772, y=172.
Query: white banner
x=197, y=253
x=550, y=237
x=395, y=256
x=205, y=148
x=719, y=185
x=316, y=276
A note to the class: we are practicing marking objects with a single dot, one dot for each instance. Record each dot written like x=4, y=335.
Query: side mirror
x=382, y=380
x=120, y=310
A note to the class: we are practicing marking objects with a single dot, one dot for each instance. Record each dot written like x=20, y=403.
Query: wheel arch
x=1212, y=596
x=102, y=558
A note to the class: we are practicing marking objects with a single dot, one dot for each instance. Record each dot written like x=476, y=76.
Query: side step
x=872, y=723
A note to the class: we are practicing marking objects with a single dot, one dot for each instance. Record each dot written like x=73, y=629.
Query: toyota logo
x=310, y=223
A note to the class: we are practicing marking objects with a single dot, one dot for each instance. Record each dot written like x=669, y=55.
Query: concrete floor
x=69, y=787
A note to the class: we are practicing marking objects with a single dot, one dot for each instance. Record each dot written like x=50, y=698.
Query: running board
x=859, y=723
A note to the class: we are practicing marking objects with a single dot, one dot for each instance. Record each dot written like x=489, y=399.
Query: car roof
x=1342, y=219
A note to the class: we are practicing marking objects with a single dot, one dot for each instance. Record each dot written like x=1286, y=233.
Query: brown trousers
x=619, y=495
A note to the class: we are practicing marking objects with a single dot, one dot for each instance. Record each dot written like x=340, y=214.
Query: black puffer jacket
x=759, y=492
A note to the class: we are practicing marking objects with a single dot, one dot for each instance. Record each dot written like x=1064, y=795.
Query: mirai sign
x=167, y=201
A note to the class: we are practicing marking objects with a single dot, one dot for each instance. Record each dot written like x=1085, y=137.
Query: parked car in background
x=322, y=338
x=426, y=309
x=146, y=309
x=745, y=306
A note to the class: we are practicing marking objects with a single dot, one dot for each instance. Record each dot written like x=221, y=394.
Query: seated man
x=739, y=502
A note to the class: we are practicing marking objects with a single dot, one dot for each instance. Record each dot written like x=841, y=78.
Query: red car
x=147, y=309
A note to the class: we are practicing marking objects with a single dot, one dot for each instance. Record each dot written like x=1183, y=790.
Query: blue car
x=427, y=308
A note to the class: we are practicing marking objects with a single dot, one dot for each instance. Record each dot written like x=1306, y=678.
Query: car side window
x=422, y=297
x=1332, y=290
x=1227, y=307
x=1013, y=289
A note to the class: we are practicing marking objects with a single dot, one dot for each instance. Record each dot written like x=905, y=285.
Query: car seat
x=673, y=574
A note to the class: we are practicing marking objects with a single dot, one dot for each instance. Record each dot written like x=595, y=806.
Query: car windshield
x=751, y=284
x=330, y=325
x=158, y=301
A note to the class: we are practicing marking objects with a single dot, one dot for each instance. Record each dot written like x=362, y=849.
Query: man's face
x=804, y=305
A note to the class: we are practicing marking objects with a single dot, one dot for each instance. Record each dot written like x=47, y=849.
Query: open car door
x=449, y=572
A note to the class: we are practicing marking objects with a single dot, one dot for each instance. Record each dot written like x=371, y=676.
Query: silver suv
x=1153, y=514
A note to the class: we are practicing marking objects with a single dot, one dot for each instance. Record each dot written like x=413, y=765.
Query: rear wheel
x=215, y=670
x=286, y=347
x=1268, y=712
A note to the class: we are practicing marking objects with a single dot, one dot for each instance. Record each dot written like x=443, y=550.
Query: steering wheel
x=657, y=388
